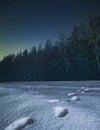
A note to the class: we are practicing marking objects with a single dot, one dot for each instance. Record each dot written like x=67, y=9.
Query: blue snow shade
x=18, y=101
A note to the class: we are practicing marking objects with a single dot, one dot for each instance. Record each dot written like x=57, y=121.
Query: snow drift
x=70, y=94
x=53, y=100
x=20, y=124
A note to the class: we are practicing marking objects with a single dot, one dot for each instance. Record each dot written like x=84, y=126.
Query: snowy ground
x=38, y=100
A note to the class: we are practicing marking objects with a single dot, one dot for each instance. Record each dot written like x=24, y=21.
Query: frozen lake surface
x=38, y=101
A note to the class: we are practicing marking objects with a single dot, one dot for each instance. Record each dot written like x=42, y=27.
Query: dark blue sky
x=24, y=23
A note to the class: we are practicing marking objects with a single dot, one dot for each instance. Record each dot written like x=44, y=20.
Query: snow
x=20, y=123
x=15, y=103
x=82, y=87
x=33, y=92
x=75, y=98
x=53, y=100
x=86, y=89
x=78, y=90
x=60, y=111
x=82, y=92
x=70, y=94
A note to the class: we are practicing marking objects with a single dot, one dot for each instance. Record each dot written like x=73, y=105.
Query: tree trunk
x=96, y=55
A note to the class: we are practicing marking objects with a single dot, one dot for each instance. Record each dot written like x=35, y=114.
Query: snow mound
x=70, y=94
x=60, y=111
x=75, y=98
x=86, y=89
x=53, y=100
x=20, y=124
x=83, y=88
x=83, y=92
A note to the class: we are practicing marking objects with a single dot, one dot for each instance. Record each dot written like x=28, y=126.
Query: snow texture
x=78, y=90
x=17, y=101
x=82, y=92
x=83, y=88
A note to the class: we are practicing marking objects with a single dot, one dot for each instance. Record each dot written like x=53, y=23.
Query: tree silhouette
x=76, y=57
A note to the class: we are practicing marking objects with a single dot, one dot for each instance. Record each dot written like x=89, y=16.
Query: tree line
x=76, y=57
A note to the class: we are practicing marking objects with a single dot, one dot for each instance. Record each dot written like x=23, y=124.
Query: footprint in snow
x=60, y=111
x=70, y=94
x=20, y=123
x=75, y=98
x=53, y=100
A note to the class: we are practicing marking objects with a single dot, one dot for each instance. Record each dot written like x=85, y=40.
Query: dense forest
x=76, y=57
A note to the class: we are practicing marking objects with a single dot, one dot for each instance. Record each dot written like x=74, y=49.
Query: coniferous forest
x=74, y=57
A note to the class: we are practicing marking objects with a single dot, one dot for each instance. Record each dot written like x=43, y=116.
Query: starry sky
x=25, y=23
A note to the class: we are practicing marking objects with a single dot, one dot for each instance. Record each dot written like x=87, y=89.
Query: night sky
x=24, y=23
